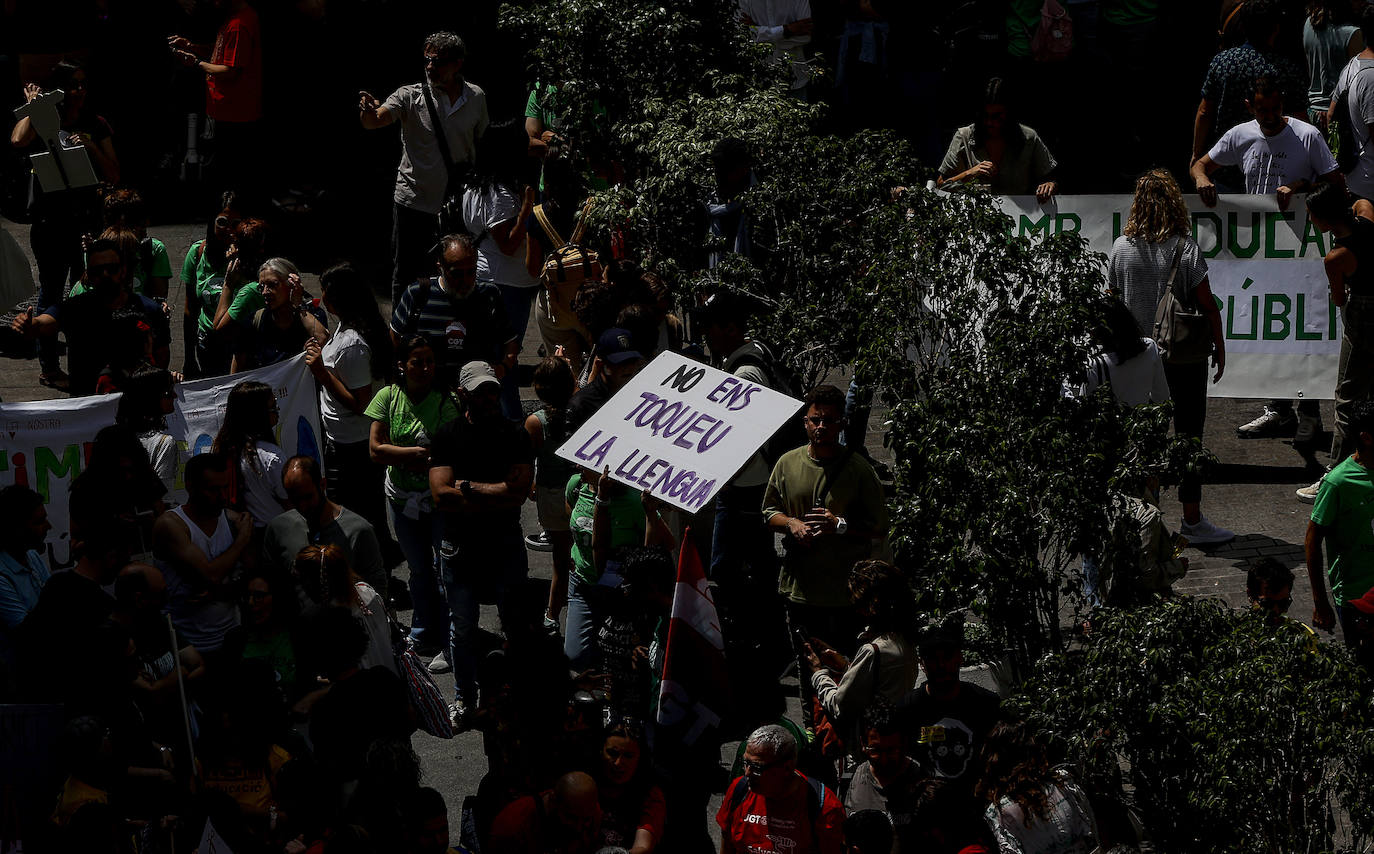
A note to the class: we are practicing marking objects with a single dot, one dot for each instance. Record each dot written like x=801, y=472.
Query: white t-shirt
x=483, y=211
x=1140, y=379
x=261, y=486
x=348, y=356
x=1361, y=108
x=1296, y=153
x=162, y=453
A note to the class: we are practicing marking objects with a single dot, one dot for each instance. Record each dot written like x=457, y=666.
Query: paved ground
x=1250, y=493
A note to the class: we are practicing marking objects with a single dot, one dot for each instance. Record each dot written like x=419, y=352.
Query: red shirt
x=236, y=97
x=758, y=825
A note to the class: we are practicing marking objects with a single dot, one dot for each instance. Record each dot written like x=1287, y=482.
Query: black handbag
x=451, y=211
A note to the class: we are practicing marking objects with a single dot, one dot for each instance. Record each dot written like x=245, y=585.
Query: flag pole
x=181, y=689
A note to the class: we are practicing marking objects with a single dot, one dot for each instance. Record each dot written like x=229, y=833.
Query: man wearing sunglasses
x=828, y=504
x=430, y=164
x=85, y=318
x=775, y=807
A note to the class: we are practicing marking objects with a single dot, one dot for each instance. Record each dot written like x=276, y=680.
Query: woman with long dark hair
x=496, y=209
x=148, y=400
x=246, y=438
x=632, y=807
x=405, y=417
x=1158, y=235
x=997, y=150
x=202, y=278
x=350, y=365
x=60, y=218
x=1032, y=808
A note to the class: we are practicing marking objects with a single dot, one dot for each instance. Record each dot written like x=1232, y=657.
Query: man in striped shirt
x=464, y=320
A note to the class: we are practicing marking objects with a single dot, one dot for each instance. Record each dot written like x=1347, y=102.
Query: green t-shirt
x=627, y=524
x=409, y=424
x=1126, y=13
x=536, y=106
x=1023, y=19
x=819, y=574
x=1345, y=504
x=154, y=265
x=201, y=277
x=246, y=303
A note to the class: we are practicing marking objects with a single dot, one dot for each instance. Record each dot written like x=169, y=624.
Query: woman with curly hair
x=1032, y=808
x=1157, y=238
x=886, y=665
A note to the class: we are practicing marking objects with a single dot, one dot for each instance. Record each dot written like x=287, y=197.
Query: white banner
x=680, y=429
x=45, y=444
x=1265, y=267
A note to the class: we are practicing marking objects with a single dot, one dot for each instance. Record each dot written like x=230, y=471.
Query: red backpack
x=1052, y=41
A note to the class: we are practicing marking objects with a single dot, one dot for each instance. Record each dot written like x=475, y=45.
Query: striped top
x=474, y=328
x=1138, y=271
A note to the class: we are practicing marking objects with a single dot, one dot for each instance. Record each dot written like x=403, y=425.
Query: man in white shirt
x=1281, y=155
x=1356, y=83
x=786, y=24
x=1278, y=154
x=423, y=179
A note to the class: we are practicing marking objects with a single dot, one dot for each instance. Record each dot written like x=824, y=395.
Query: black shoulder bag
x=451, y=211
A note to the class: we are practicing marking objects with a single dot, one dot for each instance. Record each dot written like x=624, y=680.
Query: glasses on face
x=99, y=269
x=753, y=766
x=822, y=420
x=463, y=271
x=226, y=222
x=435, y=60
x=1280, y=604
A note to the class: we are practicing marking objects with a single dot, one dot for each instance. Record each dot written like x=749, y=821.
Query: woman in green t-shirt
x=405, y=417
x=202, y=277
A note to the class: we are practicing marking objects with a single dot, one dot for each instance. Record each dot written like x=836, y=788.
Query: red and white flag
x=694, y=695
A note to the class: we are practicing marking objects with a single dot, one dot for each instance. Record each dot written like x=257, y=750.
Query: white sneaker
x=1308, y=494
x=1204, y=533
x=439, y=664
x=1269, y=425
x=458, y=716
x=1309, y=428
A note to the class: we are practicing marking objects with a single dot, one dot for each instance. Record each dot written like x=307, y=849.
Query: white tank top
x=202, y=622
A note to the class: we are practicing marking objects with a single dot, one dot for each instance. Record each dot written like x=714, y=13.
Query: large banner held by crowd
x=45, y=444
x=679, y=429
x=1265, y=268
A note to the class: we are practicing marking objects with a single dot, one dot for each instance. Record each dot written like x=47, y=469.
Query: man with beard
x=85, y=318
x=424, y=178
x=946, y=719
x=482, y=466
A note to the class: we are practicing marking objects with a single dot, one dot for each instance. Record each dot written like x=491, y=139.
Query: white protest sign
x=679, y=429
x=1265, y=269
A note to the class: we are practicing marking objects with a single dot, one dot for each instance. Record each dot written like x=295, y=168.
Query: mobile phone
x=800, y=638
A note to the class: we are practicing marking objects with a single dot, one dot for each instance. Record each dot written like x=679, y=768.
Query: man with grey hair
x=463, y=319
x=775, y=807
x=431, y=164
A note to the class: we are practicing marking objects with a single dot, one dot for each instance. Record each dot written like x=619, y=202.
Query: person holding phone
x=284, y=327
x=827, y=502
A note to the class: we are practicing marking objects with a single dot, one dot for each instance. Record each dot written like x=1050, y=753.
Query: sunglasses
x=757, y=767
x=819, y=420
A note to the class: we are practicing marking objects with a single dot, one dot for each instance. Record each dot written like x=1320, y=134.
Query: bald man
x=315, y=520
x=566, y=820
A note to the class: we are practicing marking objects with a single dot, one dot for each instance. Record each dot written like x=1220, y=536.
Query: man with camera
x=431, y=163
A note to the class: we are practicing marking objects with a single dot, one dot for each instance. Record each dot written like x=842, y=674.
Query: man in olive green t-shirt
x=828, y=503
x=1343, y=518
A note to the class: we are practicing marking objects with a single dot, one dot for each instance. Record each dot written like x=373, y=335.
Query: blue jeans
x=419, y=540
x=482, y=565
x=858, y=403
x=579, y=637
x=519, y=302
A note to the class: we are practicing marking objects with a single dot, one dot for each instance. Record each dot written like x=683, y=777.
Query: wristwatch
x=841, y=526
x=466, y=488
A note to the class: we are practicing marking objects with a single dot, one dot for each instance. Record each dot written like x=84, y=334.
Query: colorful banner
x=1265, y=268
x=680, y=429
x=45, y=444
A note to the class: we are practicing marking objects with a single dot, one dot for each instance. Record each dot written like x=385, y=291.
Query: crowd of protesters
x=239, y=661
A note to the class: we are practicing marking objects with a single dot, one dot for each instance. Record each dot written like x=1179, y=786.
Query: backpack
x=567, y=267
x=781, y=378
x=1340, y=133
x=1052, y=41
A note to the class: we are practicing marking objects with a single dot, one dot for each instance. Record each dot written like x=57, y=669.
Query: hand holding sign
x=679, y=430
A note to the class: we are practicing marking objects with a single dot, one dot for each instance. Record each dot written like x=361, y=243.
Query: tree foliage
x=1232, y=734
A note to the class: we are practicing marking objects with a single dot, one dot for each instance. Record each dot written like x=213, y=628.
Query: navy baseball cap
x=615, y=347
